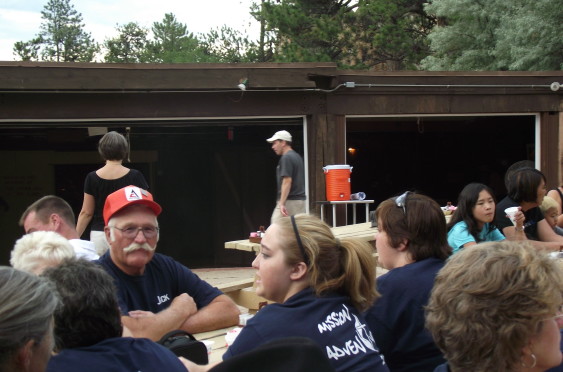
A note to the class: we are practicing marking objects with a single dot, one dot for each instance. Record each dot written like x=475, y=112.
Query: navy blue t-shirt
x=163, y=280
x=397, y=317
x=331, y=321
x=117, y=355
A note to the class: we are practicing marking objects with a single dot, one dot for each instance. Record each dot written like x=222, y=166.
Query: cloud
x=25, y=22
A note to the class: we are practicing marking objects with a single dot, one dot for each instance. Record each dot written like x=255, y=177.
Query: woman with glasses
x=473, y=220
x=497, y=307
x=411, y=243
x=26, y=321
x=321, y=285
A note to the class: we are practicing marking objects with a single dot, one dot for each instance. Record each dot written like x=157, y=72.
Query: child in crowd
x=473, y=220
x=550, y=210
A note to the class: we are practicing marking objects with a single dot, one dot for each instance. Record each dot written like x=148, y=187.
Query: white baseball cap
x=280, y=135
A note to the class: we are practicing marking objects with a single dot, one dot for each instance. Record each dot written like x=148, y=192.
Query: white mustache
x=135, y=246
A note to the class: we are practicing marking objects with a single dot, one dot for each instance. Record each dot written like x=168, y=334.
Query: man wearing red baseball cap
x=156, y=293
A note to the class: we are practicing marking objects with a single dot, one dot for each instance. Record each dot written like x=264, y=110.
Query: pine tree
x=496, y=35
x=62, y=37
x=130, y=45
x=172, y=42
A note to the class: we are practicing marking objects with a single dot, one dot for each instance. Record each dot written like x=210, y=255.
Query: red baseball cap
x=127, y=196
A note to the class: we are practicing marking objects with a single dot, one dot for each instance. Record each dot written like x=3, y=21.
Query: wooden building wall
x=36, y=96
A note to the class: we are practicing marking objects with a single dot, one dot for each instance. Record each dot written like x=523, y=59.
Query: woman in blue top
x=321, y=285
x=472, y=221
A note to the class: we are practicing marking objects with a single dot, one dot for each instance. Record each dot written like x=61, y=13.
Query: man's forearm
x=222, y=312
x=153, y=326
x=285, y=187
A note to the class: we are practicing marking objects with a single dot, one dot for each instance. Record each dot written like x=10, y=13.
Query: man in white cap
x=290, y=175
x=156, y=293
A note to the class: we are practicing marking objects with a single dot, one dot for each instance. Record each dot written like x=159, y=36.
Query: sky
x=20, y=19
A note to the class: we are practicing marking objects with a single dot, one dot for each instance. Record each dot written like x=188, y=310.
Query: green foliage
x=392, y=33
x=28, y=51
x=130, y=46
x=226, y=45
x=363, y=34
x=309, y=30
x=531, y=36
x=62, y=37
x=172, y=42
x=496, y=35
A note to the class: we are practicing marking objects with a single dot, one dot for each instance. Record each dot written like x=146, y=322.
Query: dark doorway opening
x=215, y=179
x=437, y=156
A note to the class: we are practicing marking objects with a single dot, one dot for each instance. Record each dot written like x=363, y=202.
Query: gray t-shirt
x=291, y=165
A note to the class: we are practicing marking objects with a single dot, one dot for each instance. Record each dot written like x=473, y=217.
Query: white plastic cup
x=358, y=196
x=511, y=213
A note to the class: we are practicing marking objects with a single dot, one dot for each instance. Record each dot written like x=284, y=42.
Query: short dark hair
x=48, y=205
x=90, y=311
x=523, y=184
x=113, y=146
x=514, y=167
x=422, y=223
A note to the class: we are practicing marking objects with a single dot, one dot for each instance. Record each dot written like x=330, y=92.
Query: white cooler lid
x=341, y=166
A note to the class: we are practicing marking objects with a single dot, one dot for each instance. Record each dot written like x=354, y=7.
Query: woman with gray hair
x=27, y=304
x=113, y=148
x=497, y=307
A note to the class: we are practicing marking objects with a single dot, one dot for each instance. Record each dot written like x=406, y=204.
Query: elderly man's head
x=132, y=228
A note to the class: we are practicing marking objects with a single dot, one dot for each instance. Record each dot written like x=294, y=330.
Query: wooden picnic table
x=362, y=231
x=227, y=279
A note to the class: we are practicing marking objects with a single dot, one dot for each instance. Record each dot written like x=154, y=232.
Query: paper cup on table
x=511, y=213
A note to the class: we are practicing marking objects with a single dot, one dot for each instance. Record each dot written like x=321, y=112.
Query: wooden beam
x=549, y=141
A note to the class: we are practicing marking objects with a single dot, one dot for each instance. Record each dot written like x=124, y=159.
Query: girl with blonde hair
x=321, y=286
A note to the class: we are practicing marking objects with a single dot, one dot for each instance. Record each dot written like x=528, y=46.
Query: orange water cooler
x=337, y=179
